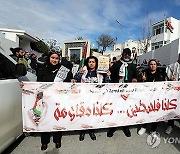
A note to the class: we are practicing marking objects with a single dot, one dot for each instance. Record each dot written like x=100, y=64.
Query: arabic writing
x=99, y=109
x=80, y=110
x=157, y=105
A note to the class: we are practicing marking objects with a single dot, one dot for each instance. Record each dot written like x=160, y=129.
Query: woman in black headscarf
x=48, y=73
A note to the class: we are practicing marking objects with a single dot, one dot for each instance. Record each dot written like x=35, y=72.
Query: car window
x=7, y=68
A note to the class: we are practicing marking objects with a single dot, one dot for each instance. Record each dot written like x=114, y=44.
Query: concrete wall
x=166, y=55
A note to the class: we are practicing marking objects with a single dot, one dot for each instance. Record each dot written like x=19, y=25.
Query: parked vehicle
x=11, y=99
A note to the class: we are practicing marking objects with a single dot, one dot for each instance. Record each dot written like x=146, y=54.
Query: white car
x=10, y=101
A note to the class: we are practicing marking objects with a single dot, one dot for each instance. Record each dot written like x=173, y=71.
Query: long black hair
x=151, y=61
x=87, y=60
x=14, y=50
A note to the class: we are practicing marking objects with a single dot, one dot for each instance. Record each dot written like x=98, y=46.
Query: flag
x=169, y=26
x=81, y=64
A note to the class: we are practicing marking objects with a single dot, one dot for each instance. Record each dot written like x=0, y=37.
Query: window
x=158, y=29
x=157, y=45
x=75, y=55
x=7, y=68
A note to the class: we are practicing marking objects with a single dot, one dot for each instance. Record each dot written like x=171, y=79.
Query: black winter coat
x=157, y=76
x=47, y=74
x=132, y=72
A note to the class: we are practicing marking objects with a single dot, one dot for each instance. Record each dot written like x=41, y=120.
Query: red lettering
x=177, y=88
x=173, y=105
x=88, y=111
x=63, y=113
x=107, y=110
x=71, y=114
x=57, y=114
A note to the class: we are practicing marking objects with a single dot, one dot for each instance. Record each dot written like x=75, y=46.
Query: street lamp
x=122, y=27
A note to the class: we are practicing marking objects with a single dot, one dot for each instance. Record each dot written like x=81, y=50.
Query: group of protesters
x=121, y=71
x=24, y=57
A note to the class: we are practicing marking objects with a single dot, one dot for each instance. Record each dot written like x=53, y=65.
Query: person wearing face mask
x=53, y=71
x=123, y=71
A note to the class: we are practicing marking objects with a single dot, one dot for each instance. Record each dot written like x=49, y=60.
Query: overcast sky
x=67, y=19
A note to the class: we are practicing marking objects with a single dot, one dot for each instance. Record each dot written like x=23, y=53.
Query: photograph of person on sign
x=103, y=64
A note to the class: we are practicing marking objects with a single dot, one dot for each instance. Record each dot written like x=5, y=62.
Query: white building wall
x=75, y=44
x=16, y=38
x=11, y=36
x=7, y=44
x=167, y=35
x=112, y=54
x=175, y=24
x=131, y=44
x=179, y=29
x=25, y=44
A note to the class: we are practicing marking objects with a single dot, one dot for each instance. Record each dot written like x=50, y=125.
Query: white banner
x=67, y=106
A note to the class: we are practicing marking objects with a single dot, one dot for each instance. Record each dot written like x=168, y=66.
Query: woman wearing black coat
x=48, y=73
x=152, y=74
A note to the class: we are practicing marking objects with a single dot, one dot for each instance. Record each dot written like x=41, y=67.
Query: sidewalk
x=117, y=144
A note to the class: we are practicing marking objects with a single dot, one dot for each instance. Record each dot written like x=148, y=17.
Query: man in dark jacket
x=123, y=71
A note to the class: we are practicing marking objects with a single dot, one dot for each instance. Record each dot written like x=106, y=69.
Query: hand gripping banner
x=67, y=106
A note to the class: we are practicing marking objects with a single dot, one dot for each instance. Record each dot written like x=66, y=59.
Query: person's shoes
x=141, y=131
x=127, y=132
x=81, y=136
x=43, y=147
x=110, y=134
x=92, y=135
x=57, y=145
x=169, y=130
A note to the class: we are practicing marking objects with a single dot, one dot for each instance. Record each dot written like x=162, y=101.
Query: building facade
x=165, y=42
x=164, y=32
x=74, y=49
x=16, y=38
x=136, y=47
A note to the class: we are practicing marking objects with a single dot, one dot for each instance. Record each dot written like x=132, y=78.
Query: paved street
x=103, y=145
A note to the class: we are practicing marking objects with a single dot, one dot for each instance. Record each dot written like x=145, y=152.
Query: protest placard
x=103, y=64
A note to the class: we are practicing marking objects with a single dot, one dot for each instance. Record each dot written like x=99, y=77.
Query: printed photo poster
x=103, y=64
x=67, y=106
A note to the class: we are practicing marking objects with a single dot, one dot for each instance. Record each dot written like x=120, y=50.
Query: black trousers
x=153, y=125
x=113, y=129
x=45, y=137
x=170, y=123
x=89, y=131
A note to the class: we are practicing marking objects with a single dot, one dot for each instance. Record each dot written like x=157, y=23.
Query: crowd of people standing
x=121, y=71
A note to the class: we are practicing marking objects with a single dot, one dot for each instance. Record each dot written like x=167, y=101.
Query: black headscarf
x=49, y=65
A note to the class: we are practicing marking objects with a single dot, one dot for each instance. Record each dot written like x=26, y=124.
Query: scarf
x=123, y=72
